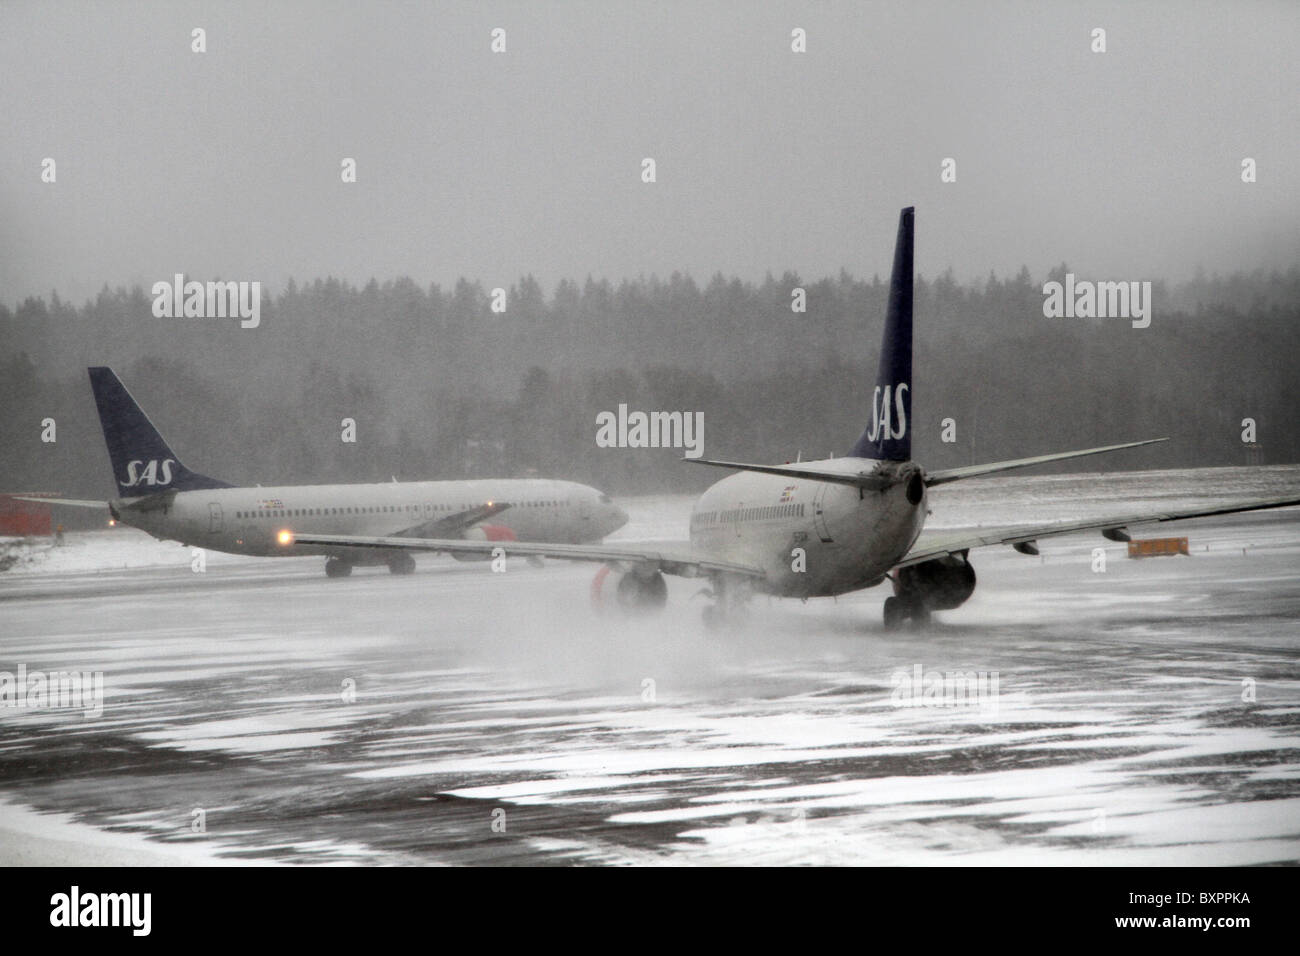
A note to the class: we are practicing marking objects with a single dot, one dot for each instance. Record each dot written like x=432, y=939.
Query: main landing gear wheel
x=401, y=564
x=898, y=611
x=337, y=568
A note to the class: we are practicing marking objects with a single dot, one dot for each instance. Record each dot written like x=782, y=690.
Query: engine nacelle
x=943, y=583
x=635, y=592
x=486, y=532
x=642, y=592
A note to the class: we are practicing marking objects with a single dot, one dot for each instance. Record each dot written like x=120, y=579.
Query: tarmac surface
x=259, y=712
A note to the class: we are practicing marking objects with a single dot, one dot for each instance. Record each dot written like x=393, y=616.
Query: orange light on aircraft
x=285, y=537
x=112, y=522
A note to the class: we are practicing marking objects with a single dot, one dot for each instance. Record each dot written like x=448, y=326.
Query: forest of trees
x=440, y=386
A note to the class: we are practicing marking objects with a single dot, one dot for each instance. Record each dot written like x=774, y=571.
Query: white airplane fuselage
x=849, y=538
x=249, y=520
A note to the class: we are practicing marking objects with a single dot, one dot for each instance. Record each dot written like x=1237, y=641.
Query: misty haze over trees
x=442, y=387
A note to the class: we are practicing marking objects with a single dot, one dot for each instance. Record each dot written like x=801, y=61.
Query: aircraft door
x=819, y=514
x=214, y=518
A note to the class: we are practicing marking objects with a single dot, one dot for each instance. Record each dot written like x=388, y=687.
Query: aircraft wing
x=681, y=563
x=941, y=543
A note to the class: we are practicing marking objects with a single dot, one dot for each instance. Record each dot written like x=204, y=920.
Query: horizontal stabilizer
x=873, y=481
x=74, y=502
x=974, y=471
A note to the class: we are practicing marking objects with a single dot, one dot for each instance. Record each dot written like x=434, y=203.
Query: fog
x=227, y=163
x=522, y=171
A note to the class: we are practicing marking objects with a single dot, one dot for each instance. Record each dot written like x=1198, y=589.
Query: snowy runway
x=1149, y=714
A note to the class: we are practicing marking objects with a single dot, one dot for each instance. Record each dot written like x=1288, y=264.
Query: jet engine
x=486, y=532
x=940, y=584
x=636, y=591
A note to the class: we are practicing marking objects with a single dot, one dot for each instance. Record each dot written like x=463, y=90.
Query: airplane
x=828, y=527
x=158, y=494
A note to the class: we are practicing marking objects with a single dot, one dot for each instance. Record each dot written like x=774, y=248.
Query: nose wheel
x=730, y=607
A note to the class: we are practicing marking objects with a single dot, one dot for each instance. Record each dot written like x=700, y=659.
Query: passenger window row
x=380, y=509
x=731, y=516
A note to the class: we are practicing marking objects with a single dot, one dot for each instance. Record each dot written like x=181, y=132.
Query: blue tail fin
x=888, y=437
x=143, y=464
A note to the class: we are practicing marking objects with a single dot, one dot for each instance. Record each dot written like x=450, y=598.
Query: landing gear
x=729, y=609
x=895, y=613
x=899, y=610
x=719, y=618
x=337, y=568
x=401, y=563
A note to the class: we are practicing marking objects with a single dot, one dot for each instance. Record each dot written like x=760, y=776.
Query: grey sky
x=1124, y=164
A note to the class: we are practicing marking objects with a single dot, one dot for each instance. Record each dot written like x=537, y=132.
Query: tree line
x=441, y=386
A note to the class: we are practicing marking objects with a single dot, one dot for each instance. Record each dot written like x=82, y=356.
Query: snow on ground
x=112, y=549
x=1147, y=715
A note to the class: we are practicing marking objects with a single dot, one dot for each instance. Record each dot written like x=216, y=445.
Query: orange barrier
x=21, y=518
x=1156, y=547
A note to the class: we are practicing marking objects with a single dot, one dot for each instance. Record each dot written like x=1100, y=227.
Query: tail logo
x=882, y=416
x=150, y=475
